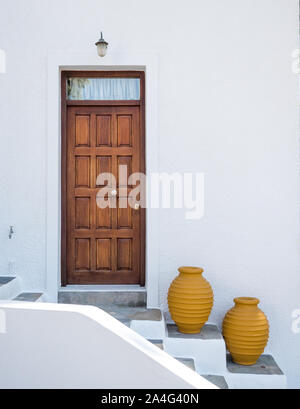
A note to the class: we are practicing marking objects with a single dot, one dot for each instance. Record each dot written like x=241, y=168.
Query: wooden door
x=103, y=246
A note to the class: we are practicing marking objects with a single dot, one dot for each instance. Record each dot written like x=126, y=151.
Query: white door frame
x=77, y=60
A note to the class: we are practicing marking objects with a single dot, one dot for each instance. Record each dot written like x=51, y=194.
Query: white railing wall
x=71, y=346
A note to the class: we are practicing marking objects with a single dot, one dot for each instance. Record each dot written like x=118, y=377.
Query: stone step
x=10, y=287
x=29, y=297
x=266, y=365
x=217, y=380
x=265, y=374
x=157, y=342
x=208, y=332
x=187, y=362
x=6, y=280
x=127, y=296
x=207, y=348
x=144, y=320
x=123, y=314
x=150, y=324
x=151, y=314
x=204, y=352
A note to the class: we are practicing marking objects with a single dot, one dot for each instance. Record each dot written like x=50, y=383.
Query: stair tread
x=125, y=322
x=148, y=315
x=157, y=342
x=208, y=332
x=28, y=297
x=6, y=280
x=266, y=365
x=189, y=362
x=217, y=380
x=122, y=313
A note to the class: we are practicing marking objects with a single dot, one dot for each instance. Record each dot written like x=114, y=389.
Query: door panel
x=103, y=245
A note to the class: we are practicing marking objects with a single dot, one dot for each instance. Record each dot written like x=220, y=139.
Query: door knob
x=113, y=193
x=136, y=206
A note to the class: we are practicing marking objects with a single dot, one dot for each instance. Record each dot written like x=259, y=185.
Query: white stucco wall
x=228, y=106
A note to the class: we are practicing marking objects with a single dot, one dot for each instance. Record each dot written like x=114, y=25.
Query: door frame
x=64, y=106
x=87, y=59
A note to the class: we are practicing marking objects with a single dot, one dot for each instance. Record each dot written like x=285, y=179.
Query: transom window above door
x=107, y=89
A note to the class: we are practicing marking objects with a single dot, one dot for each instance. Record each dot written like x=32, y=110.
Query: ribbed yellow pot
x=246, y=331
x=190, y=300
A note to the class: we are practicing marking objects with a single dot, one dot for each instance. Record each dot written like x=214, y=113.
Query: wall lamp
x=101, y=46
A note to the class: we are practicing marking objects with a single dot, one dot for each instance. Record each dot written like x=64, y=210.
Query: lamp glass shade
x=102, y=49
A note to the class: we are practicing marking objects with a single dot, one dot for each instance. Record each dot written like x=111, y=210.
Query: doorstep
x=103, y=295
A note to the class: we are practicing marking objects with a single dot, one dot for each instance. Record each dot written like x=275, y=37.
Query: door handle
x=136, y=206
x=113, y=193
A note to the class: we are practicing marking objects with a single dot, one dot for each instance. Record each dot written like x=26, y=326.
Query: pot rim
x=190, y=270
x=247, y=300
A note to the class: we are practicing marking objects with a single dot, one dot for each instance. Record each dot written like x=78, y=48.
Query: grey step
x=208, y=332
x=219, y=381
x=123, y=313
x=157, y=342
x=125, y=322
x=28, y=297
x=126, y=298
x=149, y=323
x=207, y=348
x=6, y=280
x=266, y=365
x=10, y=287
x=126, y=314
x=148, y=315
x=187, y=362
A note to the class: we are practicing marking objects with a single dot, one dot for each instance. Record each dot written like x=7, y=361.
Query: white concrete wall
x=62, y=346
x=228, y=106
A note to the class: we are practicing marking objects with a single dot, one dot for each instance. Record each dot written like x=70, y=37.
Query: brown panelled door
x=101, y=245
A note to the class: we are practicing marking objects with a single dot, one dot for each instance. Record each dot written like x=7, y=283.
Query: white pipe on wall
x=2, y=62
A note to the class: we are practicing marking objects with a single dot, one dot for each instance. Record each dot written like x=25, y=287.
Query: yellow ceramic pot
x=190, y=300
x=246, y=331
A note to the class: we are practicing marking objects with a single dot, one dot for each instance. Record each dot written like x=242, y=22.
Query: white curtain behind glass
x=103, y=88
